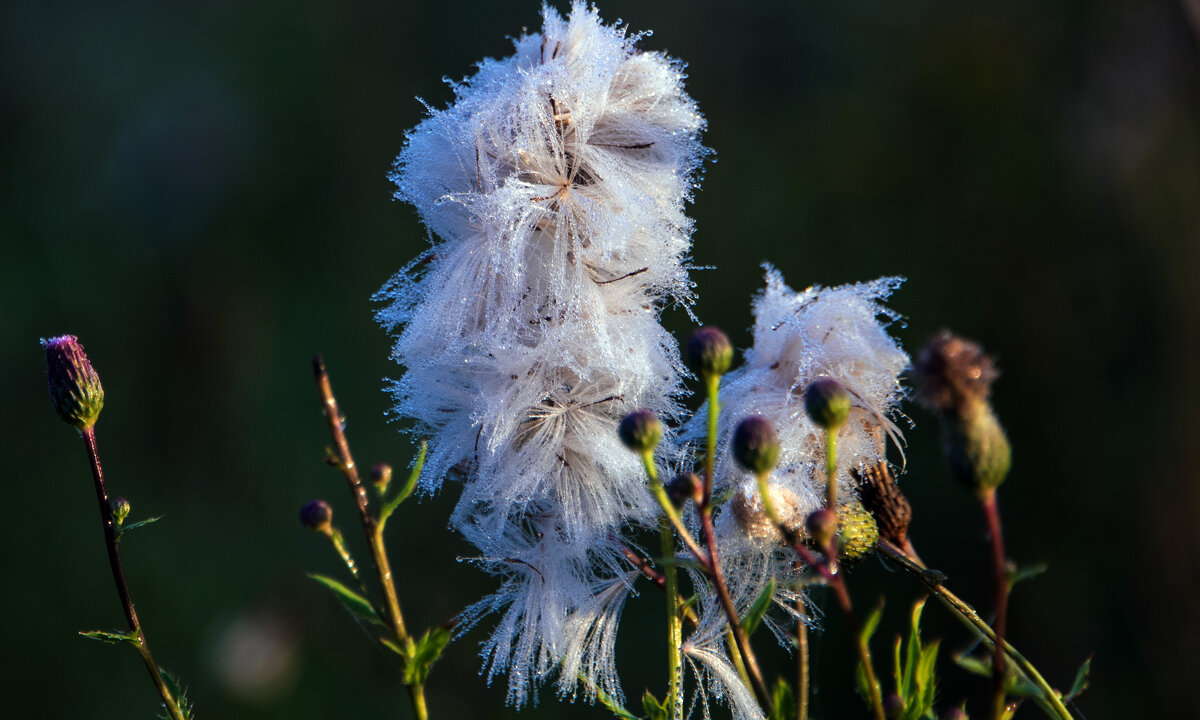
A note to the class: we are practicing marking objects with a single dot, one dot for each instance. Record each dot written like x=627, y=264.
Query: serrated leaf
x=358, y=605
x=133, y=526
x=912, y=652
x=759, y=609
x=1022, y=574
x=1081, y=680
x=179, y=692
x=925, y=678
x=427, y=651
x=653, y=708
x=114, y=637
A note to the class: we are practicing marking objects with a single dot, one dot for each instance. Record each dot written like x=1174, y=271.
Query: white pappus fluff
x=554, y=188
x=838, y=332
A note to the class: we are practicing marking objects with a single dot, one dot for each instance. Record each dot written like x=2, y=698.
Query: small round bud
x=709, y=352
x=74, y=385
x=684, y=487
x=955, y=714
x=381, y=476
x=977, y=449
x=822, y=525
x=640, y=430
x=755, y=445
x=858, y=532
x=316, y=516
x=893, y=706
x=120, y=510
x=827, y=403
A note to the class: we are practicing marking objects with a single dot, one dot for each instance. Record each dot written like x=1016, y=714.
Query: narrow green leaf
x=391, y=645
x=653, y=708
x=912, y=651
x=428, y=649
x=784, y=701
x=358, y=605
x=1081, y=680
x=926, y=678
x=409, y=485
x=973, y=665
x=133, y=526
x=179, y=692
x=1021, y=574
x=897, y=667
x=759, y=609
x=115, y=637
x=607, y=700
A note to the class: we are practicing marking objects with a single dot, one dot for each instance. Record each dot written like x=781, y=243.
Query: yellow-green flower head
x=74, y=385
x=858, y=532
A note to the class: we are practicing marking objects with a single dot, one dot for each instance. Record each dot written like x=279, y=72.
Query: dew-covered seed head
x=74, y=385
x=827, y=403
x=640, y=430
x=709, y=352
x=317, y=516
x=755, y=445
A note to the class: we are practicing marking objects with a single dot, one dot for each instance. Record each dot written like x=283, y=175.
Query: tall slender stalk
x=371, y=528
x=991, y=511
x=118, y=573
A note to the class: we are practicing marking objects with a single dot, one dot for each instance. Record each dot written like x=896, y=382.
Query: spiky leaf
x=1081, y=680
x=358, y=605
x=654, y=709
x=428, y=649
x=115, y=637
x=759, y=609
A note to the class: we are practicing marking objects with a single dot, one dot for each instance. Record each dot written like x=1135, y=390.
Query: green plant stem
x=991, y=511
x=802, y=672
x=712, y=384
x=371, y=528
x=967, y=614
x=674, y=625
x=831, y=489
x=118, y=573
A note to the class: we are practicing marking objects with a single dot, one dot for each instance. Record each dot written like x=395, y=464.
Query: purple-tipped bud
x=822, y=525
x=684, y=487
x=709, y=352
x=827, y=403
x=955, y=714
x=640, y=430
x=317, y=516
x=120, y=510
x=893, y=707
x=381, y=476
x=755, y=445
x=74, y=385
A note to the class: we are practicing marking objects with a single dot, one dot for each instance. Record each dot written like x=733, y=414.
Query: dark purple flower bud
x=755, y=445
x=827, y=403
x=640, y=430
x=709, y=352
x=316, y=516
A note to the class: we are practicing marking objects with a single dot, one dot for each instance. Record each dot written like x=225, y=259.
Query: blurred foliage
x=198, y=191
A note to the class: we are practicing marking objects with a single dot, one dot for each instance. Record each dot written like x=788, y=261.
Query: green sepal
x=115, y=637
x=428, y=649
x=1081, y=681
x=653, y=708
x=759, y=609
x=783, y=703
x=405, y=492
x=133, y=526
x=358, y=605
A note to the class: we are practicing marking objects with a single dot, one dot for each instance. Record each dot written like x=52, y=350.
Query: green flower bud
x=827, y=403
x=755, y=445
x=821, y=525
x=120, y=510
x=684, y=487
x=640, y=430
x=977, y=449
x=381, y=476
x=709, y=352
x=74, y=385
x=858, y=532
x=317, y=516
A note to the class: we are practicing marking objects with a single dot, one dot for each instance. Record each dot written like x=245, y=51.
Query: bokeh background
x=198, y=191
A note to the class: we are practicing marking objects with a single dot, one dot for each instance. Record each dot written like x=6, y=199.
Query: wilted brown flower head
x=952, y=372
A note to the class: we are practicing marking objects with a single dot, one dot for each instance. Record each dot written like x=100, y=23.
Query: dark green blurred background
x=198, y=191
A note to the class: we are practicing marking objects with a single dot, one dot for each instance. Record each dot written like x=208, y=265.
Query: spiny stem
x=991, y=511
x=371, y=528
x=118, y=573
x=968, y=615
